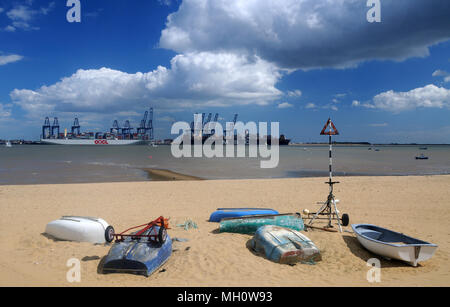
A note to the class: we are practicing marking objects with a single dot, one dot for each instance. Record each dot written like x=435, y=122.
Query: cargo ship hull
x=96, y=142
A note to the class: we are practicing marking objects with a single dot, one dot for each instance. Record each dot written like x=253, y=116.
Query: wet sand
x=166, y=175
x=415, y=205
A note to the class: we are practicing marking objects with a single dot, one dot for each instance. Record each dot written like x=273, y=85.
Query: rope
x=188, y=224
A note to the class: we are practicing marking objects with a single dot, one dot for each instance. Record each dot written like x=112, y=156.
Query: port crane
x=142, y=128
x=76, y=126
x=149, y=127
x=115, y=128
x=209, y=118
x=46, y=129
x=203, y=118
x=216, y=117
x=127, y=130
x=55, y=126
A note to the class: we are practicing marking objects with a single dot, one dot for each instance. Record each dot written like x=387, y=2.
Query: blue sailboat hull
x=222, y=213
x=137, y=256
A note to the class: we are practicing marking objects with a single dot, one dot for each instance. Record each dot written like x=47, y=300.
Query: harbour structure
x=208, y=129
x=117, y=135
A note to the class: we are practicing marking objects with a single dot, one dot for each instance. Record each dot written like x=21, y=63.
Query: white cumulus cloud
x=308, y=33
x=6, y=59
x=443, y=74
x=21, y=16
x=294, y=93
x=285, y=105
x=194, y=79
x=429, y=96
x=5, y=110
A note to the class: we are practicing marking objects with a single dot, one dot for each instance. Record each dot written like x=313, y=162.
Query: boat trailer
x=149, y=231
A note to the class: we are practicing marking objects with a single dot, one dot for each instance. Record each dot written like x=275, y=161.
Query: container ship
x=203, y=134
x=116, y=136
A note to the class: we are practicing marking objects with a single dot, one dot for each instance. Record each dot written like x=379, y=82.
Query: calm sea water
x=32, y=164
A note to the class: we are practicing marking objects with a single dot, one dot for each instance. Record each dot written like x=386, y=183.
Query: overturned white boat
x=81, y=229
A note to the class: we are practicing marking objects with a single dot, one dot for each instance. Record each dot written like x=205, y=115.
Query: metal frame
x=329, y=207
x=160, y=221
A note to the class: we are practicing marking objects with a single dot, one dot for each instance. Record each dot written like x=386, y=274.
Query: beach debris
x=80, y=229
x=90, y=258
x=250, y=224
x=180, y=239
x=284, y=245
x=188, y=224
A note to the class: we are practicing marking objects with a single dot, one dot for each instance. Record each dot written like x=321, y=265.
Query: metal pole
x=330, y=204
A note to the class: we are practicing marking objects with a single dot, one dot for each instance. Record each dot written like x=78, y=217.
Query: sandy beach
x=417, y=206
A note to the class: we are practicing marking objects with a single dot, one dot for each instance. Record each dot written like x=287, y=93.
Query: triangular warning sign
x=332, y=131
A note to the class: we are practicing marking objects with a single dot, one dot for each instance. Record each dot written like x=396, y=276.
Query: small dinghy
x=81, y=229
x=421, y=157
x=141, y=252
x=393, y=245
x=283, y=245
x=249, y=224
x=222, y=213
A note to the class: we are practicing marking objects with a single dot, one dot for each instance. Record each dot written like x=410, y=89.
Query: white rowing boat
x=393, y=245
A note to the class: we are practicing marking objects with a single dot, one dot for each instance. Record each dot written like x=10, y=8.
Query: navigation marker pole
x=329, y=207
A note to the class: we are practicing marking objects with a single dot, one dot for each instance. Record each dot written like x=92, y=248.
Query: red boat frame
x=160, y=221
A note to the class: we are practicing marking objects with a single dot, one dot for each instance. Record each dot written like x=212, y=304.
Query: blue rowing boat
x=222, y=213
x=138, y=255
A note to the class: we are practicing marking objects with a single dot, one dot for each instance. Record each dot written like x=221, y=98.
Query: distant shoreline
x=20, y=142
x=363, y=144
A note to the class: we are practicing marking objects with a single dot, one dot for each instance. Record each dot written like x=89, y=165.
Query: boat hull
x=222, y=213
x=250, y=224
x=283, y=245
x=80, y=229
x=141, y=257
x=393, y=245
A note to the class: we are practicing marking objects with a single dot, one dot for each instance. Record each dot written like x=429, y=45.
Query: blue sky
x=296, y=62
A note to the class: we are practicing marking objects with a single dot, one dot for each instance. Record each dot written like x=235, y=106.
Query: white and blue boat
x=222, y=213
x=284, y=245
x=393, y=245
x=140, y=256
